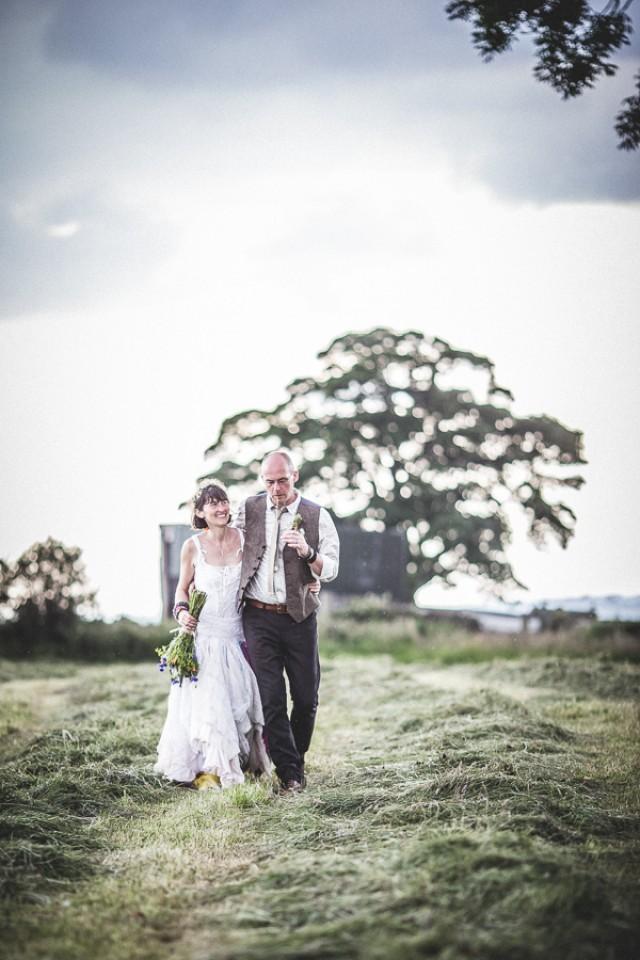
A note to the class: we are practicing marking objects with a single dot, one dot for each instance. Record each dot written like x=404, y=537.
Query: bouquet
x=179, y=655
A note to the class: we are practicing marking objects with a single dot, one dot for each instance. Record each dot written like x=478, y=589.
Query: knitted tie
x=273, y=550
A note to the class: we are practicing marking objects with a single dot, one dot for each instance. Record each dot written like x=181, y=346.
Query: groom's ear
x=295, y=476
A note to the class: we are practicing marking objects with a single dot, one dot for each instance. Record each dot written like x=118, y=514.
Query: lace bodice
x=220, y=583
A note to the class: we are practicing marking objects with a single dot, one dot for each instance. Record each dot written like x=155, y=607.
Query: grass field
x=477, y=810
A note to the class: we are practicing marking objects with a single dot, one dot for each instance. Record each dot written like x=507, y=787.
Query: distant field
x=480, y=810
x=370, y=626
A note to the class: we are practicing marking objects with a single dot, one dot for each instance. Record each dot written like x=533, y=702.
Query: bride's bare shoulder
x=188, y=548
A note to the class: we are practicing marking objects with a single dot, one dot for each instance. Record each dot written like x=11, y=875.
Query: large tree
x=45, y=590
x=402, y=430
x=573, y=43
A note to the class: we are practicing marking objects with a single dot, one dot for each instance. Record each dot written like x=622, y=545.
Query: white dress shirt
x=328, y=549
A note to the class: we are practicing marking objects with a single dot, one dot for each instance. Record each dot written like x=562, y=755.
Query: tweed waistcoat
x=297, y=575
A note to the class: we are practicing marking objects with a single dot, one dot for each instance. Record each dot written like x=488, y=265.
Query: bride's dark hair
x=211, y=493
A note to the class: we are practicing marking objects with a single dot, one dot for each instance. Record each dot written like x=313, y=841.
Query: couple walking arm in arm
x=287, y=545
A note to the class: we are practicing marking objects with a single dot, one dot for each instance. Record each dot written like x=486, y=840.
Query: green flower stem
x=179, y=654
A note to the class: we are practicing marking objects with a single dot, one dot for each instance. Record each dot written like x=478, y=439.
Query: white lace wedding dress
x=215, y=725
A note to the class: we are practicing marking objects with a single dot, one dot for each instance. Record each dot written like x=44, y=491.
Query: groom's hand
x=295, y=539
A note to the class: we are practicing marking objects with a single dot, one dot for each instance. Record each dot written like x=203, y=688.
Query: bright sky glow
x=179, y=251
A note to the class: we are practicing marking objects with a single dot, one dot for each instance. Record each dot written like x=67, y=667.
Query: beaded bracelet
x=177, y=607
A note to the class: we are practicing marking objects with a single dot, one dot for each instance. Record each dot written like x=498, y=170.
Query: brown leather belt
x=271, y=607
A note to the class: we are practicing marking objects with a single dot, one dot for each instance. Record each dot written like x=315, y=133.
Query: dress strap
x=197, y=539
x=241, y=545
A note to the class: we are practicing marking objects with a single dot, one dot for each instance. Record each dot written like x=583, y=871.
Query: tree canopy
x=45, y=589
x=405, y=431
x=573, y=44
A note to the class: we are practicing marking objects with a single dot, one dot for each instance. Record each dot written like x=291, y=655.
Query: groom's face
x=280, y=481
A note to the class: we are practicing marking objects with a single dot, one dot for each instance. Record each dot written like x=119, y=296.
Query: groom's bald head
x=279, y=476
x=277, y=457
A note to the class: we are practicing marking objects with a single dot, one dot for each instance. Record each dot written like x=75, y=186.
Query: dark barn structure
x=369, y=563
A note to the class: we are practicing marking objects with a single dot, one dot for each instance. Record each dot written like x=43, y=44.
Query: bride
x=213, y=726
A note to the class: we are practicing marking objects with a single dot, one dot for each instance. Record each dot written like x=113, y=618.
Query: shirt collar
x=291, y=508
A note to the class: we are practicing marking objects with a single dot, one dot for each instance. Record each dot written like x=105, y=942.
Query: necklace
x=222, y=539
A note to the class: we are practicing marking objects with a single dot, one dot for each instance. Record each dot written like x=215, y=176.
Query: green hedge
x=399, y=632
x=91, y=640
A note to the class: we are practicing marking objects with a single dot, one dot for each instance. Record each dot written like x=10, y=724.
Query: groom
x=289, y=543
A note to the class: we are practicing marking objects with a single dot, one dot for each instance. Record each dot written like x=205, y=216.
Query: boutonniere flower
x=296, y=524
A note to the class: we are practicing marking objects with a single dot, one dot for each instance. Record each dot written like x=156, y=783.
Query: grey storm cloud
x=412, y=70
x=73, y=251
x=495, y=118
x=261, y=40
x=249, y=41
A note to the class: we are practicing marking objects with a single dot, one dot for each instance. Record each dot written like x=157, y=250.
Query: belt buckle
x=281, y=608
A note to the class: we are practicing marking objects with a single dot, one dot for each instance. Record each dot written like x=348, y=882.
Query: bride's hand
x=187, y=621
x=314, y=587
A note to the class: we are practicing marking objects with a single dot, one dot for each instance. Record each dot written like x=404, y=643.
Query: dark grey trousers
x=277, y=645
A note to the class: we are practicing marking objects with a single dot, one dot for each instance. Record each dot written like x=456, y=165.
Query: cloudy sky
x=196, y=196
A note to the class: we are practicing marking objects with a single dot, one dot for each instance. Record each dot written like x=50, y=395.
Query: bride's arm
x=185, y=580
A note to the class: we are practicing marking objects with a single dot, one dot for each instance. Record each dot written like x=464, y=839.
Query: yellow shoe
x=206, y=781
